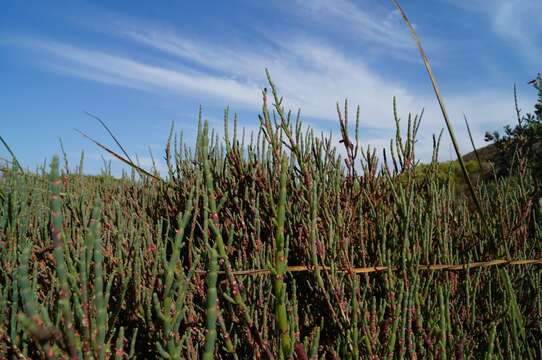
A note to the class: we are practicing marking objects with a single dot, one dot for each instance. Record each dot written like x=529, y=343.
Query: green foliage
x=97, y=267
x=450, y=173
x=521, y=146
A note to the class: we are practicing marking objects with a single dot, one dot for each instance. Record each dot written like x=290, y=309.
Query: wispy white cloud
x=311, y=74
x=366, y=21
x=516, y=21
x=512, y=20
x=104, y=67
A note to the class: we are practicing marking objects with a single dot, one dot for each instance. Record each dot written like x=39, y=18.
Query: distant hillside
x=486, y=153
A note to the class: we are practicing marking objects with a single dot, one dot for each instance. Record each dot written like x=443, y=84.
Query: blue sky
x=142, y=65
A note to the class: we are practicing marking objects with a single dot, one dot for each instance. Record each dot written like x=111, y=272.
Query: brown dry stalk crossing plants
x=373, y=269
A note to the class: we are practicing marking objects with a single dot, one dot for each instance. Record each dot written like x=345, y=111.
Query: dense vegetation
x=521, y=145
x=203, y=262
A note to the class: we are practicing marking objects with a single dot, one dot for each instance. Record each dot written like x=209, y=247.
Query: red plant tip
x=300, y=352
x=151, y=248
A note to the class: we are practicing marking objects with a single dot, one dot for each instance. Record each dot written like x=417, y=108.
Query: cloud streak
x=512, y=20
x=311, y=74
x=112, y=69
x=366, y=21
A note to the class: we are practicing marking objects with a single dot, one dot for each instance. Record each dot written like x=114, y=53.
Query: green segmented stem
x=100, y=304
x=31, y=317
x=315, y=342
x=204, y=143
x=82, y=301
x=29, y=301
x=119, y=345
x=355, y=316
x=132, y=344
x=225, y=334
x=397, y=318
x=280, y=264
x=95, y=328
x=443, y=326
x=210, y=336
x=58, y=252
x=491, y=345
x=174, y=298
